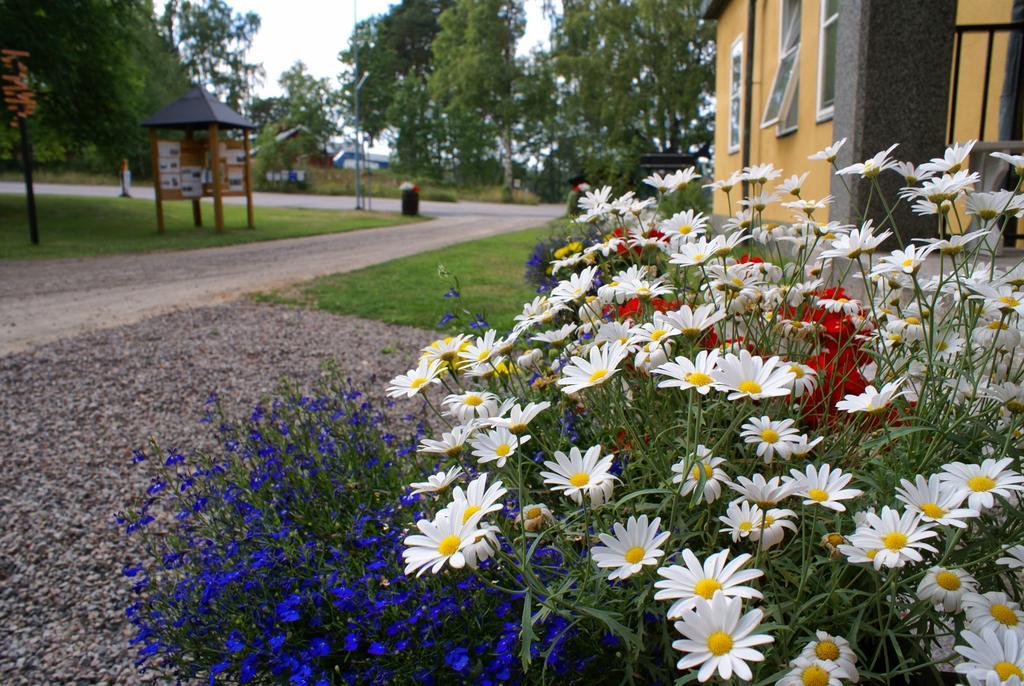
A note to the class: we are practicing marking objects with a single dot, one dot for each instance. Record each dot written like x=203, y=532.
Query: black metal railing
x=991, y=30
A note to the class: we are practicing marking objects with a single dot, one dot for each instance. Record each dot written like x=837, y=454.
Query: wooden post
x=155, y=151
x=218, y=201
x=248, y=182
x=197, y=209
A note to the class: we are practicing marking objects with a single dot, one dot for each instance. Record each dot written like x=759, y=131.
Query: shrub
x=276, y=558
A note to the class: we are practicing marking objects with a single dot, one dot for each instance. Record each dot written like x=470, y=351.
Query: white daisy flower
x=684, y=226
x=792, y=185
x=451, y=443
x=805, y=379
x=952, y=160
x=715, y=576
x=741, y=518
x=602, y=365
x=823, y=486
x=830, y=152
x=872, y=400
x=438, y=482
x=993, y=610
x=557, y=336
x=706, y=469
x=578, y=474
x=992, y=657
x=651, y=334
x=694, y=253
x=832, y=650
x=519, y=417
x=872, y=166
x=945, y=588
x=803, y=446
x=773, y=527
x=979, y=483
x=471, y=405
x=479, y=497
x=694, y=322
x=497, y=445
x=857, y=242
x=905, y=261
x=1015, y=557
x=633, y=546
x=760, y=491
x=772, y=437
x=746, y=376
x=482, y=349
x=575, y=287
x=441, y=541
x=898, y=539
x=718, y=639
x=684, y=374
x=761, y=173
x=935, y=501
x=415, y=380
x=447, y=350
x=806, y=671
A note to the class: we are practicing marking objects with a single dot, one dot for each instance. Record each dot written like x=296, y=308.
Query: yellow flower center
x=835, y=539
x=417, y=382
x=697, y=257
x=895, y=540
x=997, y=326
x=707, y=471
x=814, y=676
x=470, y=511
x=698, y=379
x=635, y=554
x=484, y=354
x=1004, y=615
x=579, y=479
x=907, y=263
x=817, y=495
x=706, y=588
x=981, y=483
x=1007, y=669
x=745, y=526
x=1009, y=301
x=870, y=553
x=769, y=435
x=751, y=387
x=912, y=320
x=826, y=650
x=797, y=370
x=533, y=513
x=719, y=643
x=448, y=545
x=502, y=450
x=932, y=510
x=473, y=400
x=947, y=580
x=598, y=375
x=657, y=334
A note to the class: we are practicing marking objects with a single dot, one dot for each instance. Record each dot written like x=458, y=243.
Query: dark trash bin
x=410, y=200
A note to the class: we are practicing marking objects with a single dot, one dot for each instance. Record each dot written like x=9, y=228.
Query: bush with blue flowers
x=276, y=559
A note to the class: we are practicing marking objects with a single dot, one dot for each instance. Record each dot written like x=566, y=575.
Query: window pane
x=828, y=65
x=782, y=77
x=791, y=24
x=734, y=123
x=788, y=120
x=737, y=72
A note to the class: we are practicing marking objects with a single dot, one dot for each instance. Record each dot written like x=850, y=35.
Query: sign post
x=21, y=101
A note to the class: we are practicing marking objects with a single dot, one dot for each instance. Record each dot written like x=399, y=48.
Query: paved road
x=321, y=202
x=44, y=300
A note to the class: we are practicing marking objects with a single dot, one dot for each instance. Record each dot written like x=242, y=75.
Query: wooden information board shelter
x=194, y=168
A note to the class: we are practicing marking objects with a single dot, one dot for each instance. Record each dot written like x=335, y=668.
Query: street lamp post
x=359, y=145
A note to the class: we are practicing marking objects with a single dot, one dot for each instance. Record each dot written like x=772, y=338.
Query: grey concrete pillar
x=893, y=63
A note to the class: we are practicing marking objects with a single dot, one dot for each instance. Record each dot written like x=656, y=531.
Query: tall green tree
x=98, y=68
x=476, y=71
x=638, y=77
x=310, y=102
x=214, y=41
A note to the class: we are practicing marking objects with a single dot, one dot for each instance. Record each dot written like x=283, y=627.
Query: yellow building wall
x=790, y=151
x=972, y=69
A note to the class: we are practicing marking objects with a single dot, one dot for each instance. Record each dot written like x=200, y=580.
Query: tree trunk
x=506, y=156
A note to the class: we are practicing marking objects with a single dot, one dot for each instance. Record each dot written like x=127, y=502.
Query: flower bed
x=748, y=472
x=763, y=453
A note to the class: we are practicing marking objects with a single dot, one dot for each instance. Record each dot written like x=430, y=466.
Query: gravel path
x=70, y=414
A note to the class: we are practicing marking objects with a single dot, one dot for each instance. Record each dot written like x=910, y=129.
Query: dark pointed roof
x=197, y=108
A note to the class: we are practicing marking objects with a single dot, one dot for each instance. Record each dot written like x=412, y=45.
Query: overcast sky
x=315, y=31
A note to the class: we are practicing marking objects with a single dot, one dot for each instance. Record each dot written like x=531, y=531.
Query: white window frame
x=735, y=96
x=824, y=113
x=794, y=79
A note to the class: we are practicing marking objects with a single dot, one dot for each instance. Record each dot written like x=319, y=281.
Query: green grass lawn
x=74, y=226
x=411, y=291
